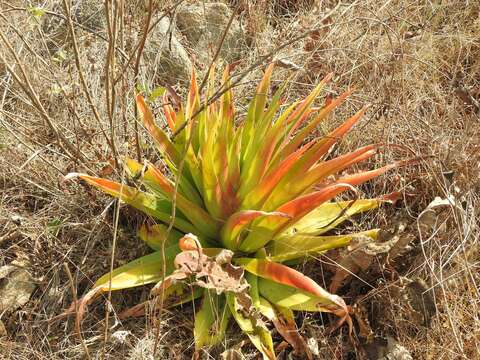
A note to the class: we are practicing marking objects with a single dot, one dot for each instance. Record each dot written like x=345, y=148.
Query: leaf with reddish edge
x=230, y=233
x=193, y=98
x=255, y=113
x=317, y=298
x=158, y=183
x=360, y=178
x=293, y=121
x=136, y=170
x=258, y=194
x=169, y=112
x=290, y=145
x=298, y=185
x=162, y=141
x=330, y=167
x=329, y=215
x=315, y=153
x=262, y=150
x=264, y=230
x=283, y=275
x=211, y=190
x=151, y=205
x=278, y=196
x=201, y=219
x=257, y=152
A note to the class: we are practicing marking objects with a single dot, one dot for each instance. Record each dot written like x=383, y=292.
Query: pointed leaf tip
x=73, y=175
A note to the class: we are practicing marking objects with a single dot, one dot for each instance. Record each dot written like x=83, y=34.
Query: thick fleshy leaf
x=160, y=184
x=282, y=192
x=169, y=112
x=268, y=138
x=174, y=295
x=259, y=335
x=319, y=172
x=211, y=320
x=257, y=196
x=255, y=113
x=264, y=230
x=144, y=270
x=155, y=206
x=288, y=282
x=329, y=215
x=290, y=145
x=164, y=145
x=360, y=178
x=237, y=222
x=156, y=235
x=295, y=246
x=136, y=170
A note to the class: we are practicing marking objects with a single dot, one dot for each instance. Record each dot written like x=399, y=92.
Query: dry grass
x=416, y=62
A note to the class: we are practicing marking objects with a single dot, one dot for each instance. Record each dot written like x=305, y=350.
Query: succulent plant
x=251, y=195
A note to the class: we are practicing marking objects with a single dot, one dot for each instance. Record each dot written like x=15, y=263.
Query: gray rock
x=16, y=287
x=386, y=349
x=396, y=351
x=203, y=25
x=89, y=14
x=167, y=55
x=3, y=329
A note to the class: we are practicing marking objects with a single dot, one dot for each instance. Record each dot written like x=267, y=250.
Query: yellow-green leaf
x=211, y=320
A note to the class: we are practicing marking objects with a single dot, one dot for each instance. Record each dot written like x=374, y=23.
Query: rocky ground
x=415, y=294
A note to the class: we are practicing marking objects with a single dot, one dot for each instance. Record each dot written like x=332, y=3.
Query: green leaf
x=297, y=246
x=156, y=235
x=293, y=298
x=156, y=93
x=144, y=270
x=211, y=320
x=328, y=216
x=36, y=11
x=259, y=336
x=297, y=288
x=157, y=207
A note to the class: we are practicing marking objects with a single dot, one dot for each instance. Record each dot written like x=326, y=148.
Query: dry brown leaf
x=16, y=287
x=215, y=273
x=361, y=252
x=288, y=329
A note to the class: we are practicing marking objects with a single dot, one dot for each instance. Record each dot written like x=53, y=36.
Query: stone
x=395, y=351
x=3, y=329
x=87, y=14
x=166, y=54
x=203, y=25
x=16, y=287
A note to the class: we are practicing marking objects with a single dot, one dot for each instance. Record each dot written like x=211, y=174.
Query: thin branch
x=83, y=81
x=30, y=92
x=235, y=79
x=219, y=48
x=130, y=59
x=136, y=69
x=77, y=319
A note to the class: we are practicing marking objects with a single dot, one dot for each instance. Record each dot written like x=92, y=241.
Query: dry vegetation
x=416, y=62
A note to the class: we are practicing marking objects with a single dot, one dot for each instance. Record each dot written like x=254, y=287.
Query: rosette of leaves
x=251, y=195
